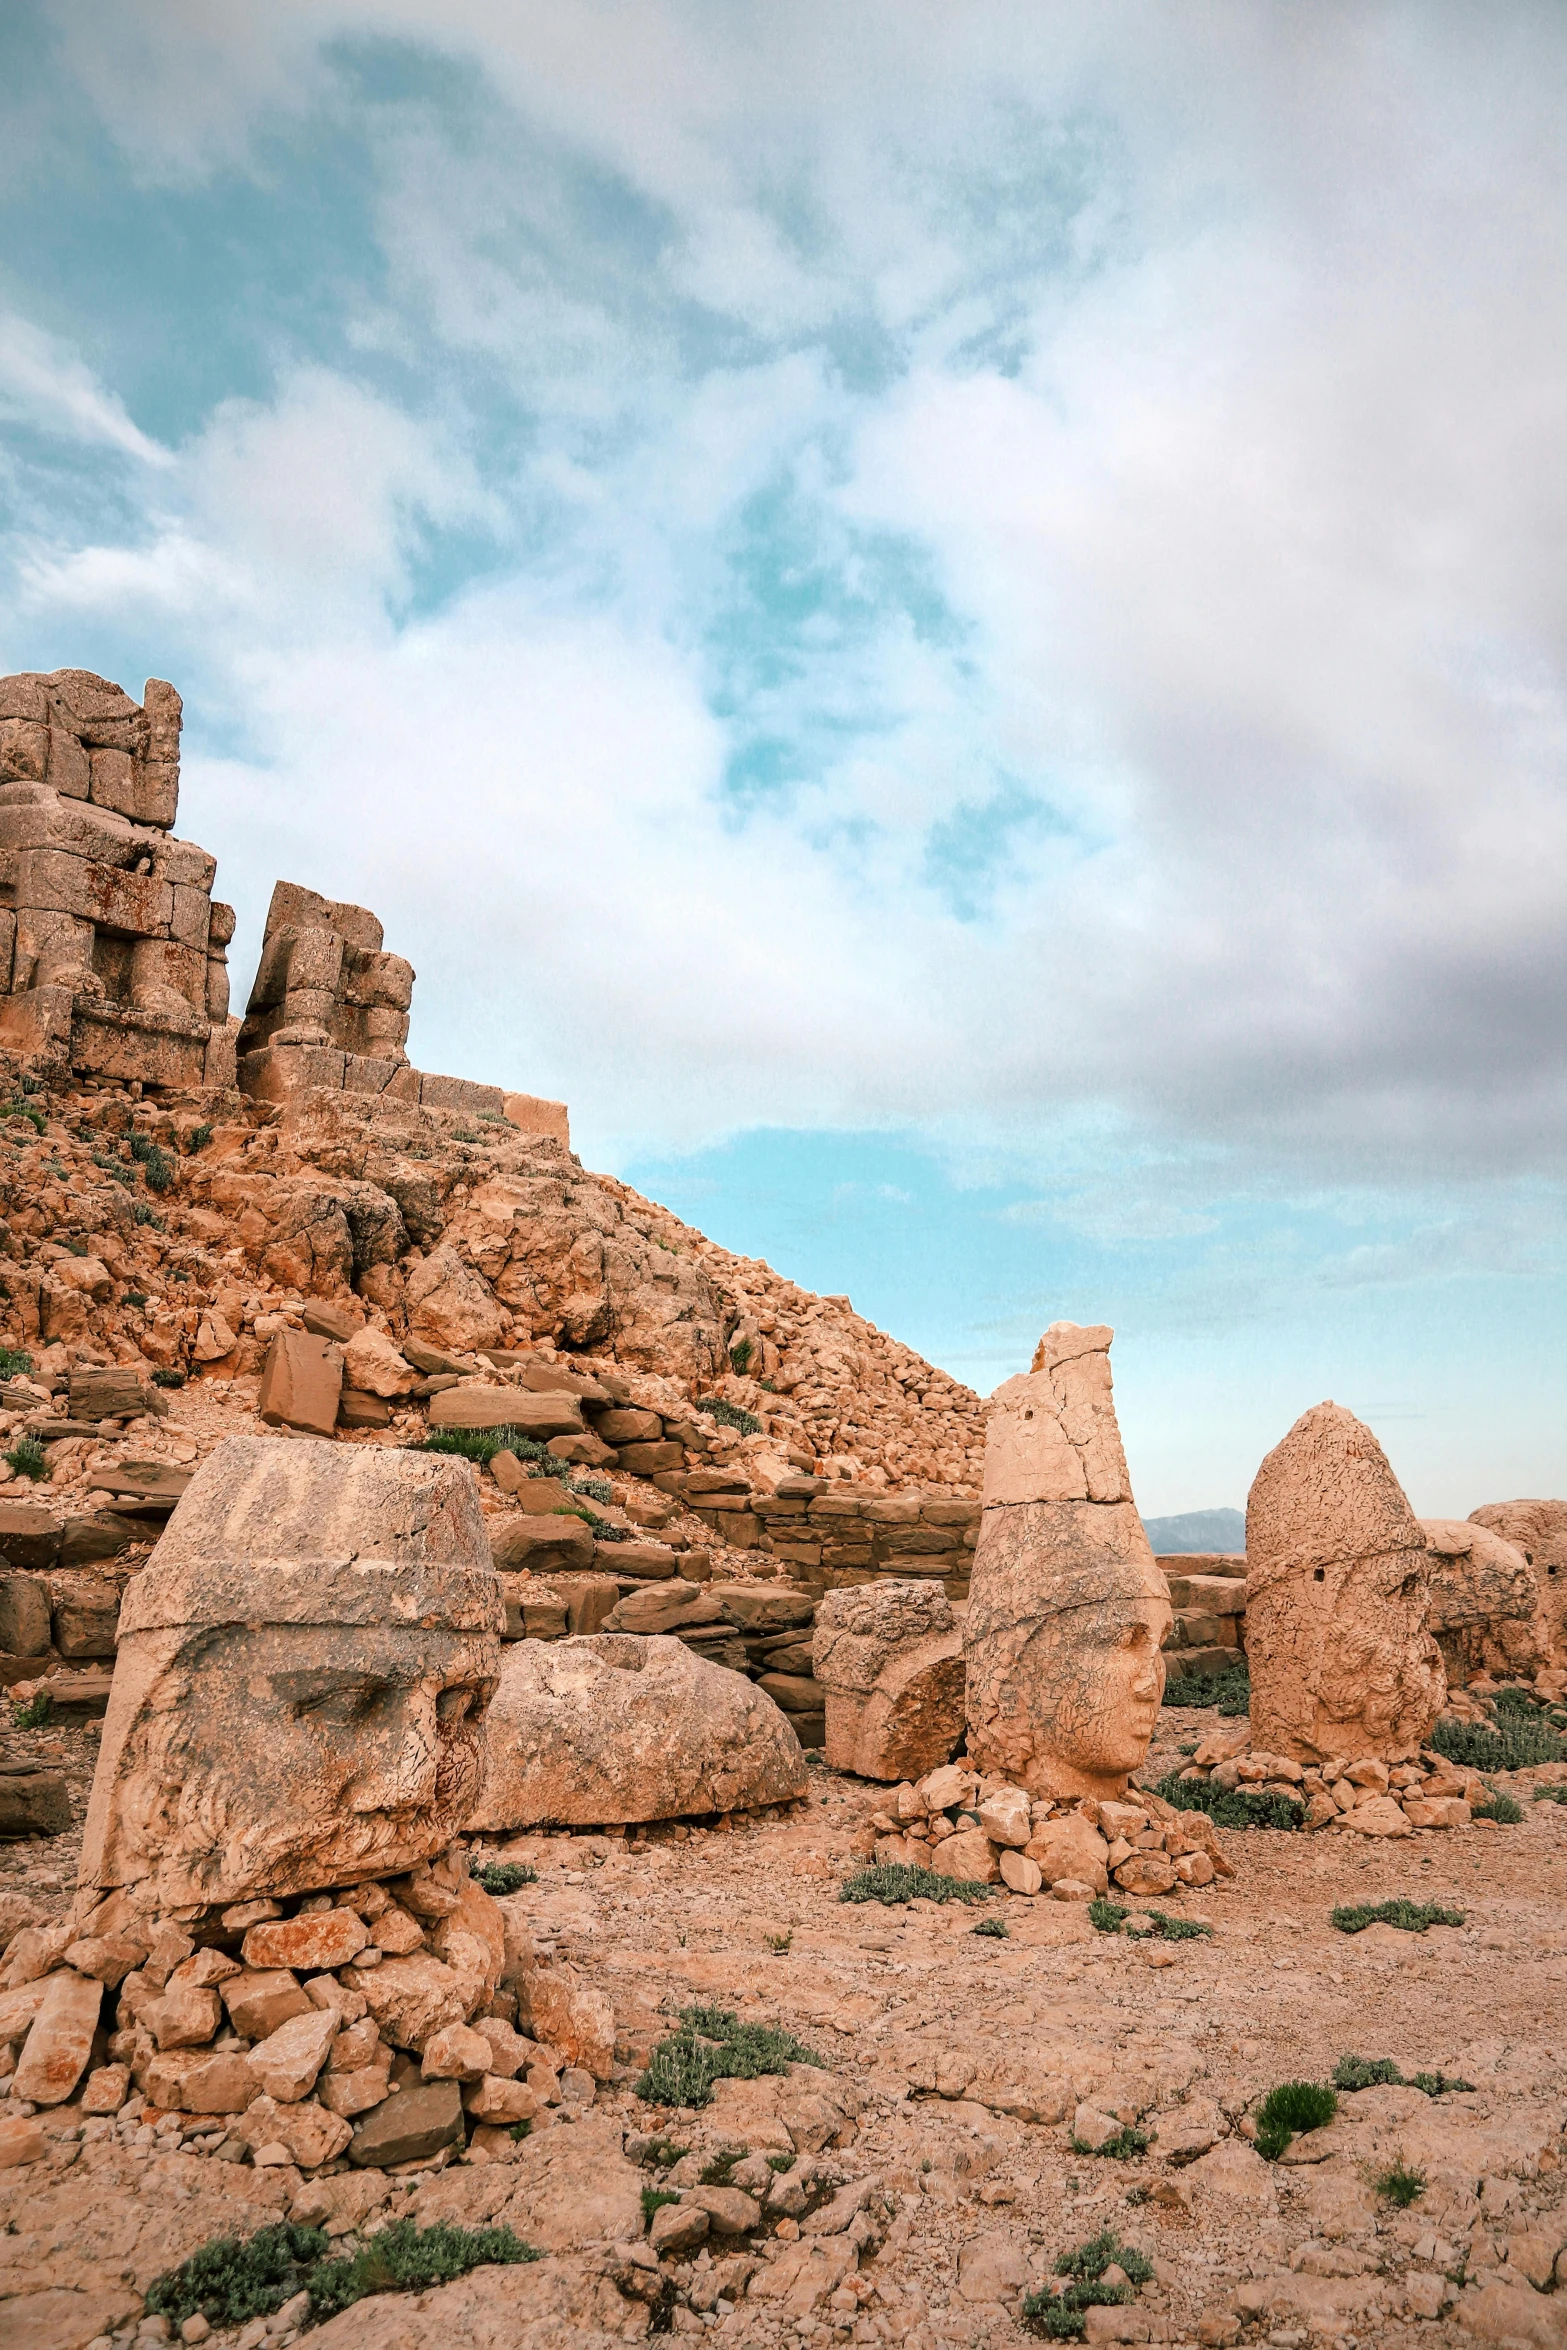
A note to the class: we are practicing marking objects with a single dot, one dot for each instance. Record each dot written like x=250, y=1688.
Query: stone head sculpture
x=1068, y=1612
x=302, y=1671
x=1338, y=1592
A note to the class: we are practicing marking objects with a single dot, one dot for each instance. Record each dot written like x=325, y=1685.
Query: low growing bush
x=1229, y=1691
x=233, y=2279
x=1127, y=2142
x=15, y=1362
x=1401, y=2185
x=502, y=1876
x=711, y=2045
x=1498, y=1805
x=36, y=1714
x=1109, y=1917
x=26, y=1458
x=996, y=1927
x=1518, y=1741
x=1413, y=1917
x=896, y=1881
x=730, y=1415
x=1290, y=2110
x=1231, y=1807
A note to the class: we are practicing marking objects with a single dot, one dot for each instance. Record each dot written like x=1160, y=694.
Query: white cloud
x=45, y=384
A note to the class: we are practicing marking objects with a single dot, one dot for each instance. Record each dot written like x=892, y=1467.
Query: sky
x=948, y=618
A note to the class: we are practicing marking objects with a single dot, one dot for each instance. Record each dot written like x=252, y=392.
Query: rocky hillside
x=180, y=1236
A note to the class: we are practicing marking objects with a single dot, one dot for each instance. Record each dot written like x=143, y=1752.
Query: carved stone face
x=301, y=1678
x=287, y=1757
x=1111, y=1686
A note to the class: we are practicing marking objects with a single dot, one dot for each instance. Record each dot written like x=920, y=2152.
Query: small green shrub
x=156, y=1166
x=405, y=2258
x=232, y=2279
x=1126, y=2143
x=1518, y=1741
x=594, y=1489
x=482, y=1445
x=136, y=1298
x=604, y=1529
x=1440, y=2084
x=34, y=1117
x=519, y=2130
x=1401, y=2185
x=142, y=1214
x=897, y=1881
x=1289, y=2111
x=1353, y=1917
x=15, y=1362
x=502, y=1876
x=711, y=2045
x=1550, y=1794
x=740, y=1356
x=1109, y=1917
x=663, y=2153
x=654, y=2199
x=1106, y=1916
x=26, y=1458
x=1106, y=2250
x=115, y=1169
x=996, y=1927
x=780, y=2162
x=36, y=1714
x=1505, y=1809
x=1360, y=2072
x=199, y=1138
x=1231, y=1807
x=730, y=1415
x=1229, y=1691
x=720, y=2170
x=168, y=1378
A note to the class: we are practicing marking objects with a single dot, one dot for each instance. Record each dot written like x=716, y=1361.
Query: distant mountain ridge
x=1197, y=1530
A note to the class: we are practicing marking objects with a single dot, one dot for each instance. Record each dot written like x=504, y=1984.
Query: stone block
x=24, y=1615
x=262, y=1998
x=49, y=881
x=532, y=1115
x=57, y=2048
x=409, y=2127
x=29, y=1536
x=301, y=1383
x=33, y=1801
x=642, y=1460
x=84, y=1611
x=532, y=1414
x=536, y=1545
x=629, y=1426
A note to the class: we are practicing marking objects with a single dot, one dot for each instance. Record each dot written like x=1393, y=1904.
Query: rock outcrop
x=1068, y=1612
x=611, y=1728
x=890, y=1658
x=1338, y=1592
x=1485, y=1602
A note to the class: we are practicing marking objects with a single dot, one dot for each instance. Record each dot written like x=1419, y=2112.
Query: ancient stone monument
x=302, y=1675
x=610, y=1728
x=890, y=1657
x=112, y=949
x=1539, y=1530
x=1338, y=1592
x=1067, y=1611
x=329, y=1009
x=1485, y=1602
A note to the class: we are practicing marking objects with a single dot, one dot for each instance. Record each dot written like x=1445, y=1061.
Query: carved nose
x=402, y=1769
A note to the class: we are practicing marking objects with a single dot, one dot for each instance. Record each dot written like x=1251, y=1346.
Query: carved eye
x=1319, y=1574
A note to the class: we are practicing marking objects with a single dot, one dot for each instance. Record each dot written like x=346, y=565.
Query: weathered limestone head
x=1539, y=1530
x=1485, y=1600
x=1338, y=1593
x=1068, y=1612
x=302, y=1673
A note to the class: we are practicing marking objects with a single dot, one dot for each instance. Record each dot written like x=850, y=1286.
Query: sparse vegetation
x=199, y=1138
x=711, y=2045
x=897, y=1881
x=35, y=1117
x=1128, y=2142
x=1440, y=2084
x=780, y=1944
x=654, y=2200
x=1110, y=1917
x=36, y=1714
x=740, y=1357
x=1550, y=1794
x=996, y=1927
x=1360, y=2072
x=156, y=1166
x=233, y=2279
x=26, y=1458
x=1229, y=1691
x=141, y=1213
x=730, y=1415
x=1412, y=1917
x=167, y=1378
x=1401, y=2184
x=15, y=1362
x=1520, y=1739
x=1232, y=1807
x=720, y=2170
x=1289, y=2111
x=502, y=1876
x=1498, y=1805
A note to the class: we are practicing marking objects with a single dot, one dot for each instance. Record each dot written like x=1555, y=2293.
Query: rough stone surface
x=299, y=1591
x=891, y=1661
x=611, y=1728
x=1485, y=1602
x=1539, y=1530
x=410, y=2126
x=1068, y=1612
x=1338, y=1591
x=59, y=2045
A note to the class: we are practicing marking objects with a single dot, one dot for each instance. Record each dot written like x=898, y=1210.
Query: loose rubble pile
x=1370, y=1796
x=988, y=1831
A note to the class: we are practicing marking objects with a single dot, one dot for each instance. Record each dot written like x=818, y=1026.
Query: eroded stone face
x=303, y=1671
x=1338, y=1595
x=1068, y=1612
